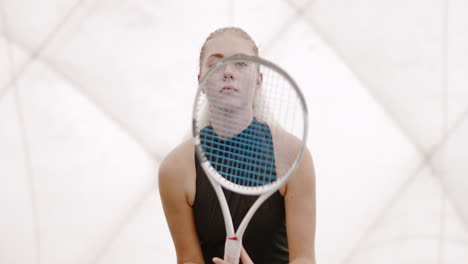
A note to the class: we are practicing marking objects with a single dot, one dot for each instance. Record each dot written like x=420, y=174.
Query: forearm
x=303, y=260
x=190, y=260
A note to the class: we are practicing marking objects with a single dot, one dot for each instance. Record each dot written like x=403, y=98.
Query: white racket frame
x=234, y=239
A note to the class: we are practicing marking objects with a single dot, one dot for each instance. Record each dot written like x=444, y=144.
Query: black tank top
x=264, y=239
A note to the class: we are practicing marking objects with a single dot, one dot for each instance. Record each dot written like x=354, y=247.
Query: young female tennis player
x=283, y=228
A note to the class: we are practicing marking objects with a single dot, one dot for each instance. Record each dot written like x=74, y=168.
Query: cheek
x=212, y=87
x=252, y=86
x=209, y=89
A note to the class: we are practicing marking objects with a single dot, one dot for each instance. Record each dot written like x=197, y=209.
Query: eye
x=241, y=64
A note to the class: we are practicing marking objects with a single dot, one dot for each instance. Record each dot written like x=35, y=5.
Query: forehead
x=228, y=44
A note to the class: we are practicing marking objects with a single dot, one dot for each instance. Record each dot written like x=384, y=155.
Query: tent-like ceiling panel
x=456, y=232
x=277, y=14
x=452, y=160
x=395, y=48
x=400, y=225
x=93, y=94
x=128, y=58
x=17, y=217
x=129, y=246
x=457, y=61
x=87, y=173
x=4, y=64
x=13, y=62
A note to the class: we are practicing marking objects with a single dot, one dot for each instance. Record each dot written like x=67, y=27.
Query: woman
x=282, y=230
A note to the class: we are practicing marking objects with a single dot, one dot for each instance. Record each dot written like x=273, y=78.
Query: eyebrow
x=219, y=55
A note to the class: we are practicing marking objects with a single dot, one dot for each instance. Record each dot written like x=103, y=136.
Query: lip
x=228, y=88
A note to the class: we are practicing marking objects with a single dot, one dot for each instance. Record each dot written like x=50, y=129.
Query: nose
x=228, y=73
x=228, y=77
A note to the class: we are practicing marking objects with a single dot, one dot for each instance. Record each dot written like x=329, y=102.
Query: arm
x=173, y=179
x=300, y=207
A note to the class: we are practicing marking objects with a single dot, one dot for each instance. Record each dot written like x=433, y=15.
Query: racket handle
x=232, y=250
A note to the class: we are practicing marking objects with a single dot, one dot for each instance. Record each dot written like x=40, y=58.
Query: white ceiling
x=93, y=94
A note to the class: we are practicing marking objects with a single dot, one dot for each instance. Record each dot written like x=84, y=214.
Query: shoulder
x=285, y=139
x=303, y=180
x=287, y=147
x=177, y=169
x=179, y=158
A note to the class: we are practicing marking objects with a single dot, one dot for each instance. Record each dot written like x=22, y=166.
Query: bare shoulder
x=177, y=171
x=287, y=147
x=179, y=158
x=285, y=140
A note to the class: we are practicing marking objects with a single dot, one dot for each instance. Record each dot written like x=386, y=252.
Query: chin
x=229, y=105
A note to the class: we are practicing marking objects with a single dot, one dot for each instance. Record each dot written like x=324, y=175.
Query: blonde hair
x=240, y=32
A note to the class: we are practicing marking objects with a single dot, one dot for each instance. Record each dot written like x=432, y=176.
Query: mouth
x=228, y=88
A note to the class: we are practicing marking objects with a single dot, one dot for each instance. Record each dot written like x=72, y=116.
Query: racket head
x=249, y=153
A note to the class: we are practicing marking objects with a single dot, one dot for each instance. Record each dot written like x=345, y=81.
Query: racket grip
x=232, y=250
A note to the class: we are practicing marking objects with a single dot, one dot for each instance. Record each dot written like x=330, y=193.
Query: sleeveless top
x=265, y=238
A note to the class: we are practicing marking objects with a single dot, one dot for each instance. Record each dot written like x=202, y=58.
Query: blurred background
x=93, y=95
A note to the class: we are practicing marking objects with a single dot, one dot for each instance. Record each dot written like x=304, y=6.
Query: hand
x=244, y=257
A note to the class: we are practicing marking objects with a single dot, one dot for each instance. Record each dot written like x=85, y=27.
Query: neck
x=227, y=124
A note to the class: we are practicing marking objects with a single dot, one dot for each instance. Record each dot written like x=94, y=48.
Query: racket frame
x=246, y=190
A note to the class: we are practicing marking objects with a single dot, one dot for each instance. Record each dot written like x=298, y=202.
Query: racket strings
x=281, y=107
x=246, y=159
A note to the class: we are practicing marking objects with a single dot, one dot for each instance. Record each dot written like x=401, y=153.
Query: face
x=232, y=87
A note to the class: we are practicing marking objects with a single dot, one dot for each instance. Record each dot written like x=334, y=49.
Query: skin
x=230, y=91
x=177, y=181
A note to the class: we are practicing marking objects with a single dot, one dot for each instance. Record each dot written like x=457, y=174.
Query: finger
x=245, y=258
x=219, y=261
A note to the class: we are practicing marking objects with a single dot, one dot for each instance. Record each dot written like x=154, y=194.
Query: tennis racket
x=250, y=127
